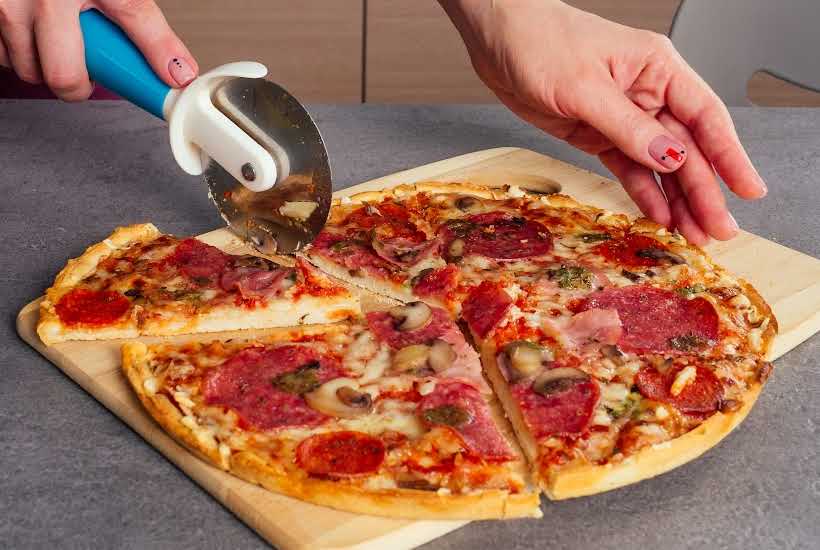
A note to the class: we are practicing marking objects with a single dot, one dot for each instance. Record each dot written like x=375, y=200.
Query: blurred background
x=402, y=51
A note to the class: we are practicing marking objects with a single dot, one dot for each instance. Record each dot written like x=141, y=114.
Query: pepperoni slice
x=247, y=384
x=631, y=250
x=499, y=235
x=702, y=396
x=658, y=320
x=338, y=454
x=485, y=306
x=197, y=259
x=460, y=407
x=382, y=324
x=436, y=283
x=81, y=306
x=565, y=413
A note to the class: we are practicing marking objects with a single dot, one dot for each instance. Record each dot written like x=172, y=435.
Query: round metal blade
x=288, y=216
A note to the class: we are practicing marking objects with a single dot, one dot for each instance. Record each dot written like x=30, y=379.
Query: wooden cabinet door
x=313, y=48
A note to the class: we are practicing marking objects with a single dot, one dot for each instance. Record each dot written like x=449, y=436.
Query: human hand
x=623, y=94
x=42, y=42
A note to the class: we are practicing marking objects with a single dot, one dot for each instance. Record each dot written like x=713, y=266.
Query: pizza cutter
x=255, y=145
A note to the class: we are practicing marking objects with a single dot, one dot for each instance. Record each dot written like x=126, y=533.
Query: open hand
x=623, y=94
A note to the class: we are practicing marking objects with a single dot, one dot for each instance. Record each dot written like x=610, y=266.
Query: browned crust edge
x=252, y=467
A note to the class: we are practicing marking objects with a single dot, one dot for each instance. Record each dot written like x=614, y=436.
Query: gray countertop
x=72, y=475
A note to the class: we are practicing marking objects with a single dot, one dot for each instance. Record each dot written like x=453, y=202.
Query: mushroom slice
x=412, y=316
x=456, y=249
x=525, y=358
x=441, y=355
x=411, y=358
x=340, y=397
x=557, y=380
x=466, y=203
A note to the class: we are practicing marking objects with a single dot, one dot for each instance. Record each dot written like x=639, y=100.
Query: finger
x=60, y=44
x=692, y=102
x=682, y=219
x=18, y=37
x=700, y=186
x=144, y=23
x=639, y=135
x=640, y=184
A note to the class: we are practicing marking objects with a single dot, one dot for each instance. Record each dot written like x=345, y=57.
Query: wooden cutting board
x=789, y=280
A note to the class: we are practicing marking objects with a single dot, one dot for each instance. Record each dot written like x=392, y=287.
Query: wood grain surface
x=789, y=280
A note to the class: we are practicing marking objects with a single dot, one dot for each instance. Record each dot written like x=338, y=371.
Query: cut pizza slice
x=388, y=416
x=141, y=282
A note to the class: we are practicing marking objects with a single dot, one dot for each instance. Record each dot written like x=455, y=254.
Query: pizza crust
x=584, y=480
x=283, y=311
x=253, y=467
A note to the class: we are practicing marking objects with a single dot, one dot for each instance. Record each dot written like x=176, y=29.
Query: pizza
x=618, y=350
x=141, y=282
x=534, y=344
x=385, y=415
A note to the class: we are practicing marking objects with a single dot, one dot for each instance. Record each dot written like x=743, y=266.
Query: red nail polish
x=667, y=151
x=676, y=156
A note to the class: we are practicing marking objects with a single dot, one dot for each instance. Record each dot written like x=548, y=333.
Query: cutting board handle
x=116, y=63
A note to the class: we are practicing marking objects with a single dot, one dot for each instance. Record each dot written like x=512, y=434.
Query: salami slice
x=197, y=259
x=658, y=320
x=382, y=324
x=496, y=235
x=701, y=396
x=461, y=407
x=252, y=384
x=563, y=413
x=340, y=454
x=81, y=306
x=436, y=283
x=485, y=307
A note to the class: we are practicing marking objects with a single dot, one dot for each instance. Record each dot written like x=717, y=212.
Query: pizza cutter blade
x=256, y=146
x=290, y=214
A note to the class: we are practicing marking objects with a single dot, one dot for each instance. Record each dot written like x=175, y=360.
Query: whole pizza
x=524, y=343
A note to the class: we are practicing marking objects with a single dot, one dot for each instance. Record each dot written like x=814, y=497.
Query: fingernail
x=669, y=152
x=181, y=71
x=734, y=221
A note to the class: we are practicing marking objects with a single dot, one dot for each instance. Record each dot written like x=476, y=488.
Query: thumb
x=631, y=129
x=145, y=24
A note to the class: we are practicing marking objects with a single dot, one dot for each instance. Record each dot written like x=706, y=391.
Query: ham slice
x=592, y=326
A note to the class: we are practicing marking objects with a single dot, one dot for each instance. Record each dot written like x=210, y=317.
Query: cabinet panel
x=312, y=47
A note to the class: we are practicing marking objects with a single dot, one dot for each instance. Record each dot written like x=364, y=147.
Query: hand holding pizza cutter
x=255, y=145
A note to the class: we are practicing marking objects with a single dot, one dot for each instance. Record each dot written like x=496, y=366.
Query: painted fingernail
x=181, y=71
x=669, y=152
x=734, y=221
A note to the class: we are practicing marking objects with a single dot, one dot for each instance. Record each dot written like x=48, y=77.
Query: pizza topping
x=595, y=237
x=485, y=307
x=461, y=407
x=496, y=235
x=251, y=383
x=340, y=454
x=561, y=408
x=197, y=259
x=447, y=415
x=594, y=325
x=401, y=250
x=81, y=306
x=525, y=358
x=456, y=250
x=692, y=389
x=635, y=251
x=384, y=325
x=299, y=382
x=340, y=398
x=412, y=316
x=466, y=203
x=691, y=291
x=573, y=277
x=654, y=319
x=436, y=283
x=412, y=359
x=558, y=380
x=251, y=281
x=442, y=355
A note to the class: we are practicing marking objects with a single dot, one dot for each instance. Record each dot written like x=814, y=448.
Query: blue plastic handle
x=116, y=63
